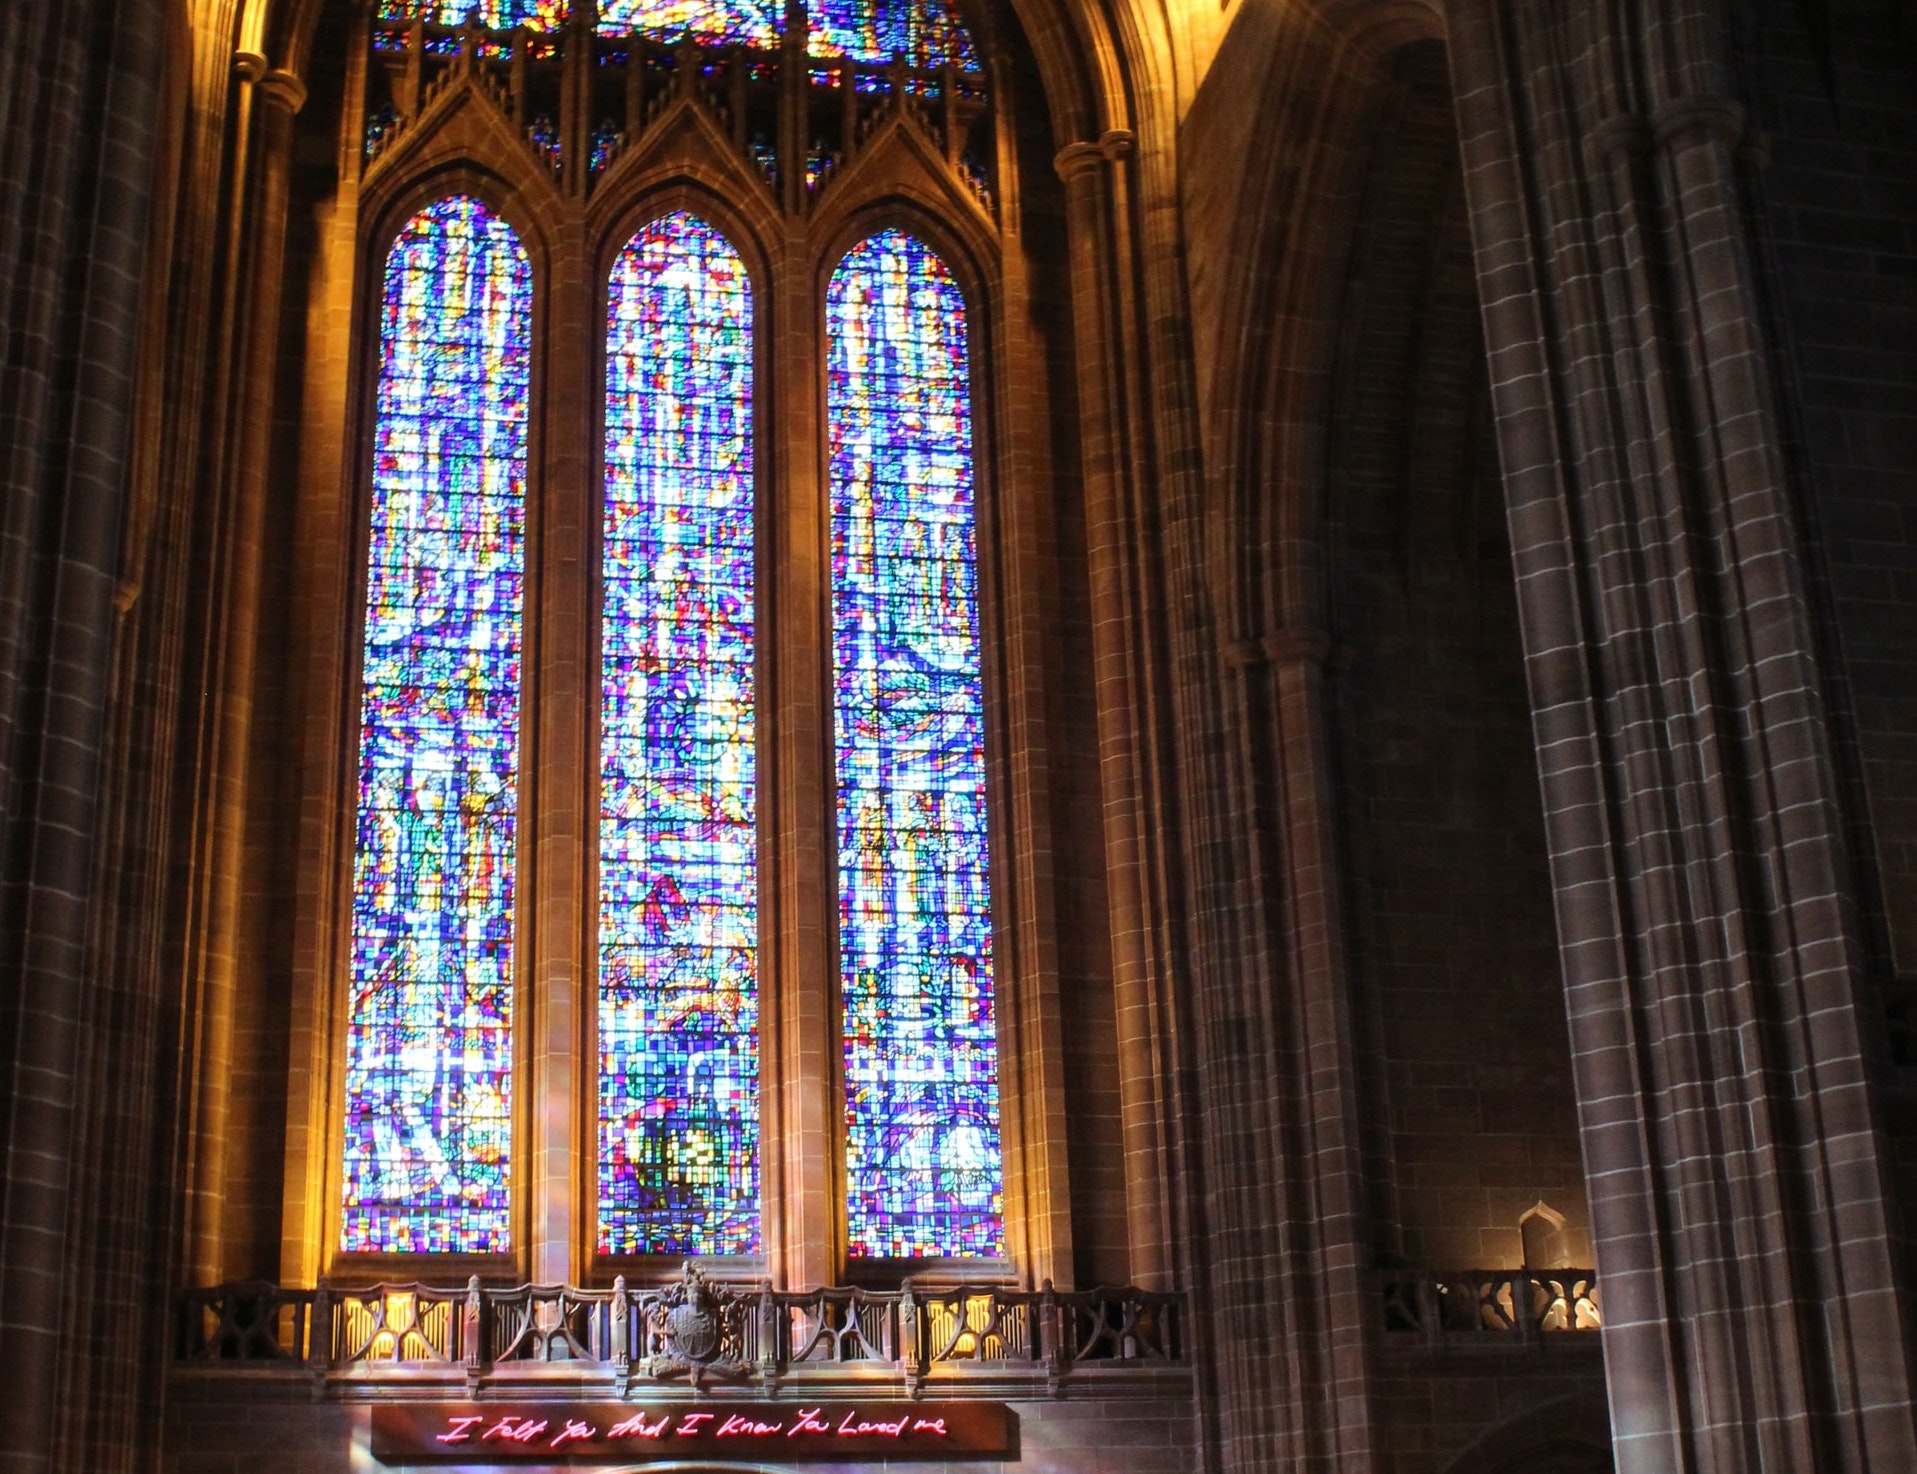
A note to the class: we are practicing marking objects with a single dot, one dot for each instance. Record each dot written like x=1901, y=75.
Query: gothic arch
x=1281, y=299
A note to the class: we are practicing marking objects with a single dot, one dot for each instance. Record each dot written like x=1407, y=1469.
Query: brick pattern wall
x=1369, y=785
x=1495, y=1413
x=1697, y=844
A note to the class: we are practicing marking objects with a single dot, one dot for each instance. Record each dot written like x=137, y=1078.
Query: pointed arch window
x=429, y=1069
x=678, y=841
x=691, y=469
x=923, y=1166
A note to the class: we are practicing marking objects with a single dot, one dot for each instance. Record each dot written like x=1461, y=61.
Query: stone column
x=1232, y=1017
x=263, y=110
x=79, y=90
x=1738, y=1184
x=1122, y=606
x=1292, y=1261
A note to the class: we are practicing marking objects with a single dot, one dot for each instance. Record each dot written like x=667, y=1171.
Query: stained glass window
x=915, y=929
x=712, y=22
x=678, y=846
x=929, y=33
x=429, y=1036
x=498, y=15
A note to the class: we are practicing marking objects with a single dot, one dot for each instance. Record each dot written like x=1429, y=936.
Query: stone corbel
x=1696, y=121
x=1114, y=146
x=1619, y=137
x=281, y=89
x=1075, y=159
x=1286, y=646
x=1299, y=645
x=277, y=87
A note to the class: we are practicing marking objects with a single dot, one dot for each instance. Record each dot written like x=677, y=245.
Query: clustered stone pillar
x=1124, y=605
x=1230, y=995
x=79, y=93
x=263, y=109
x=1738, y=1183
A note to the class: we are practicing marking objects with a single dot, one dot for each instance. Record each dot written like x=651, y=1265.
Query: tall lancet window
x=429, y=1069
x=678, y=840
x=923, y=1168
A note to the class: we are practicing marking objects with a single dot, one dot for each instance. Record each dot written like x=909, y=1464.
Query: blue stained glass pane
x=929, y=33
x=915, y=927
x=498, y=15
x=429, y=1050
x=757, y=23
x=678, y=843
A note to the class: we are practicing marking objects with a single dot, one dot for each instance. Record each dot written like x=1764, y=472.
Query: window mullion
x=558, y=1148
x=805, y=1223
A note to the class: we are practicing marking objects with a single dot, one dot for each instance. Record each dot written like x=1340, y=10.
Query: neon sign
x=473, y=1433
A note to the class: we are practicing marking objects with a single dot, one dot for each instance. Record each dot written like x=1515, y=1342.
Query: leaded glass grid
x=757, y=23
x=498, y=15
x=429, y=1039
x=923, y=1164
x=928, y=33
x=678, y=846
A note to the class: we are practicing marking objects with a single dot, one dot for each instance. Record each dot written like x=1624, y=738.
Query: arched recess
x=1449, y=936
x=1265, y=310
x=1375, y=763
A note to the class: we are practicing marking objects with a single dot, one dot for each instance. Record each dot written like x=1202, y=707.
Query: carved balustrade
x=705, y=1330
x=1488, y=1306
x=695, y=1328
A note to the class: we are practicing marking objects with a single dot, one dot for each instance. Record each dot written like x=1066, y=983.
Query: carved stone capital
x=1117, y=144
x=250, y=65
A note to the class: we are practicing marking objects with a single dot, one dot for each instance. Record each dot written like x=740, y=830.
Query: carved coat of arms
x=694, y=1328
